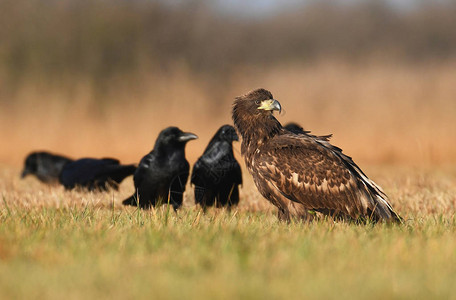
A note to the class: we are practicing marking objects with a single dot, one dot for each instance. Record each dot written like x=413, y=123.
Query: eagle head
x=253, y=116
x=259, y=101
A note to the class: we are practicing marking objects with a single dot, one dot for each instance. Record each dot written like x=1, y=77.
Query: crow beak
x=24, y=173
x=187, y=136
x=270, y=104
x=235, y=137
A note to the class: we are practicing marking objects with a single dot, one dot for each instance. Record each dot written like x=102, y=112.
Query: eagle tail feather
x=386, y=211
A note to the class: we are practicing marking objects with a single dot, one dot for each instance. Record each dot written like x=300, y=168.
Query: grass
x=56, y=244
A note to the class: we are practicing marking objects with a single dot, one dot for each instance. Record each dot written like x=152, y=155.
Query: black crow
x=297, y=129
x=162, y=174
x=45, y=166
x=94, y=173
x=216, y=175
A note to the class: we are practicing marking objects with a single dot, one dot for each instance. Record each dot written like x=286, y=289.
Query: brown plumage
x=300, y=172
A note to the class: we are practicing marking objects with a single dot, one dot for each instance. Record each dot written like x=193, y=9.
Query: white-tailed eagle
x=300, y=172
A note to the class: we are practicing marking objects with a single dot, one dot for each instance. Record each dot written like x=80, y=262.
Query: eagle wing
x=302, y=169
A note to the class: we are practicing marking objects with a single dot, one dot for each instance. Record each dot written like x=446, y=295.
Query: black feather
x=45, y=166
x=163, y=173
x=217, y=174
x=94, y=173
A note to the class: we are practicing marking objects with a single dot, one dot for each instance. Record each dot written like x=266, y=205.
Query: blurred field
x=378, y=113
x=57, y=244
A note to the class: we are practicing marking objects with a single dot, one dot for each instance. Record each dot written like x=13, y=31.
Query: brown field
x=379, y=113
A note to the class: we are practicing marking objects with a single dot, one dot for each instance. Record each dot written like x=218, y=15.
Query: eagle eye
x=257, y=102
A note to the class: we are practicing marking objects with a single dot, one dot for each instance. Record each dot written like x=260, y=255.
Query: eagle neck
x=258, y=132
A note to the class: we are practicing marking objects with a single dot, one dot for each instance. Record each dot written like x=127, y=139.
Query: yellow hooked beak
x=270, y=104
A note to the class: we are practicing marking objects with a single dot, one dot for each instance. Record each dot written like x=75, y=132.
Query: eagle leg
x=283, y=215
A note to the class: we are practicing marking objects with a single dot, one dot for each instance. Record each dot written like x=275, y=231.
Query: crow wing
x=216, y=164
x=144, y=166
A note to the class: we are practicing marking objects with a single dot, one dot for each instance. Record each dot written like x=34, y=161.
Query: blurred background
x=102, y=78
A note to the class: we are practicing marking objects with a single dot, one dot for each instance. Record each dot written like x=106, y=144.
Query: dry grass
x=416, y=193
